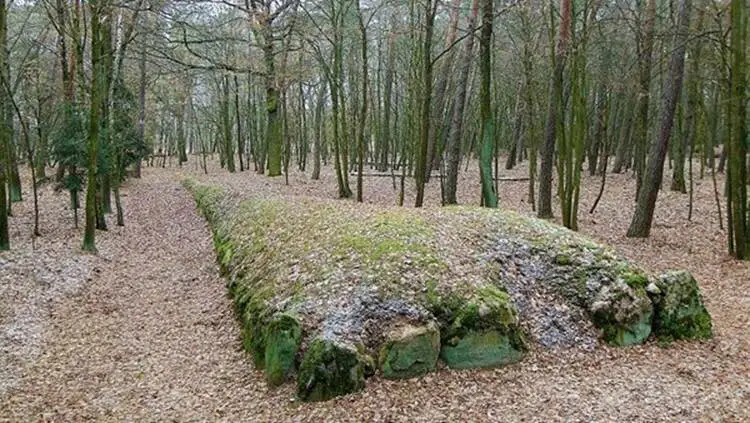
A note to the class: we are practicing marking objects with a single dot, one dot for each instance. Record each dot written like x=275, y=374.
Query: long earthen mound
x=332, y=292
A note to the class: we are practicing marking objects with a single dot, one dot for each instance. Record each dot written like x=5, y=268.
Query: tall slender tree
x=640, y=226
x=544, y=205
x=453, y=145
x=739, y=238
x=489, y=196
x=98, y=27
x=645, y=47
x=426, y=97
x=4, y=138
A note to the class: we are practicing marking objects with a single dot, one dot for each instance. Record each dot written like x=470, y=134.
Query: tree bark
x=544, y=205
x=453, y=147
x=97, y=85
x=424, y=133
x=489, y=196
x=318, y=132
x=645, y=45
x=438, y=110
x=388, y=95
x=363, y=110
x=640, y=226
x=141, y=105
x=737, y=148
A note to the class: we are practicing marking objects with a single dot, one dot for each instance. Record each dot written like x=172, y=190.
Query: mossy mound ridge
x=332, y=292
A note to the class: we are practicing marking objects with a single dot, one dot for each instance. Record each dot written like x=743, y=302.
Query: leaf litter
x=151, y=334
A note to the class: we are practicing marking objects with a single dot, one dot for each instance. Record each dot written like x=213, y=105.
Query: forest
x=277, y=209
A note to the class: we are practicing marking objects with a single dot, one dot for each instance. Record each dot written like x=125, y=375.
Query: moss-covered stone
x=623, y=313
x=283, y=336
x=480, y=332
x=255, y=316
x=679, y=310
x=410, y=351
x=562, y=259
x=329, y=369
x=489, y=348
x=635, y=278
x=368, y=363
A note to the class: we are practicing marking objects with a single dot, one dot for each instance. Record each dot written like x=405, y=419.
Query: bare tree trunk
x=453, y=147
x=544, y=206
x=98, y=8
x=737, y=148
x=363, y=111
x=489, y=195
x=438, y=110
x=647, y=195
x=240, y=138
x=318, y=131
x=422, y=165
x=4, y=134
x=141, y=106
x=645, y=45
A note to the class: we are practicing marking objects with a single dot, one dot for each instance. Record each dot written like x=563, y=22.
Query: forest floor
x=144, y=331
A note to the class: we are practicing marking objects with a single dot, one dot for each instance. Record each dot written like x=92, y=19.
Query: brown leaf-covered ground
x=144, y=331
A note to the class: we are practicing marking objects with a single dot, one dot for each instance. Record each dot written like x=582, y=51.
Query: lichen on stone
x=482, y=331
x=679, y=310
x=410, y=350
x=623, y=313
x=329, y=369
x=282, y=338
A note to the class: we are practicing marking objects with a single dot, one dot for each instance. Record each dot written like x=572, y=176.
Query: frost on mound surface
x=332, y=292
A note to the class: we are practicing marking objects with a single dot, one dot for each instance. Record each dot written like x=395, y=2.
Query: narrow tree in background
x=544, y=205
x=645, y=47
x=226, y=125
x=446, y=62
x=693, y=105
x=388, y=95
x=363, y=110
x=489, y=196
x=97, y=68
x=141, y=105
x=319, y=128
x=453, y=145
x=4, y=236
x=737, y=148
x=424, y=133
x=647, y=195
x=4, y=138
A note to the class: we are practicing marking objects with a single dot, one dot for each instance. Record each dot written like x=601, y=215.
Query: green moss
x=328, y=370
x=368, y=363
x=386, y=236
x=580, y=281
x=635, y=278
x=624, y=315
x=410, y=351
x=268, y=264
x=482, y=331
x=282, y=337
x=624, y=335
x=402, y=224
x=481, y=349
x=563, y=260
x=680, y=313
x=224, y=253
x=370, y=249
x=255, y=316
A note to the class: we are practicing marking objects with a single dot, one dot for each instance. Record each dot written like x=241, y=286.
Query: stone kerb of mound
x=331, y=293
